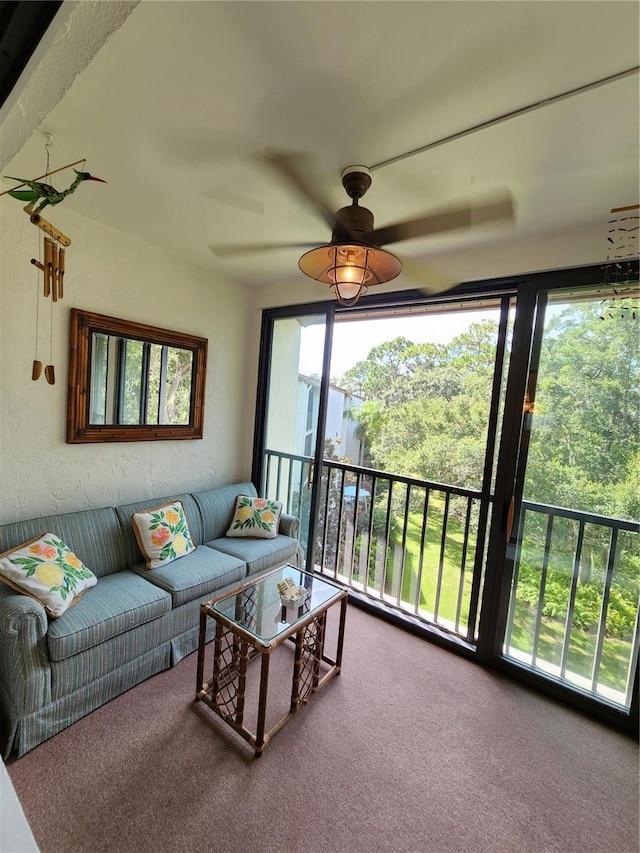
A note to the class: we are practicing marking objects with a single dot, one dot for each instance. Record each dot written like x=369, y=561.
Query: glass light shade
x=349, y=268
x=348, y=294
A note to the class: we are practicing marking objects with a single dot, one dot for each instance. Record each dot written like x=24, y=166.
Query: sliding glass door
x=483, y=486
x=291, y=404
x=410, y=439
x=575, y=548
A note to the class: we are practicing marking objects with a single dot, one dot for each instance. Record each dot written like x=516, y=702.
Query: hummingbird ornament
x=49, y=195
x=52, y=265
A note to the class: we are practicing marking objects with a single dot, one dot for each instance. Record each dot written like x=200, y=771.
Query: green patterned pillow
x=256, y=517
x=162, y=534
x=48, y=571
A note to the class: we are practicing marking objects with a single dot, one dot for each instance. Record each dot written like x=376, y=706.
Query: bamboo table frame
x=234, y=645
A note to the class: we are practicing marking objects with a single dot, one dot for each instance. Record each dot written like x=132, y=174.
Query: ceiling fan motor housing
x=353, y=223
x=356, y=180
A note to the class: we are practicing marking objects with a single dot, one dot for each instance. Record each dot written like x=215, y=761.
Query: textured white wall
x=111, y=273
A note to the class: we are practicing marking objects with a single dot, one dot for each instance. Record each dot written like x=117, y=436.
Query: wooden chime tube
x=48, y=258
x=60, y=272
x=54, y=272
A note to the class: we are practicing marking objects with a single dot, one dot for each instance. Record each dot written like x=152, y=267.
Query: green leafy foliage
x=621, y=613
x=427, y=405
x=585, y=447
x=426, y=412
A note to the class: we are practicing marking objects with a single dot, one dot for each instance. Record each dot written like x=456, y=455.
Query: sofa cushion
x=255, y=517
x=197, y=575
x=125, y=511
x=94, y=536
x=258, y=554
x=116, y=604
x=163, y=534
x=217, y=505
x=45, y=569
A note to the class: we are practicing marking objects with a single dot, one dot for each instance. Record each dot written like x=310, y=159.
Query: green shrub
x=621, y=611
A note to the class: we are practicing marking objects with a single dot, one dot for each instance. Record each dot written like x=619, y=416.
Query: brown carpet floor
x=411, y=749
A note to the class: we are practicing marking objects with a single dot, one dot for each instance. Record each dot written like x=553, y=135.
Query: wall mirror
x=133, y=382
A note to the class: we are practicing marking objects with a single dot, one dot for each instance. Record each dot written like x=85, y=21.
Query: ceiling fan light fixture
x=349, y=268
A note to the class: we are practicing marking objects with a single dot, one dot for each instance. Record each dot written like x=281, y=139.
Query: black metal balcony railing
x=412, y=544
x=586, y=554
x=419, y=547
x=409, y=543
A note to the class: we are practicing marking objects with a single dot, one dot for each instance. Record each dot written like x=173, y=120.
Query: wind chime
x=621, y=271
x=51, y=260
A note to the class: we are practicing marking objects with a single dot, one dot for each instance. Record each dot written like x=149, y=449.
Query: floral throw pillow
x=48, y=571
x=162, y=534
x=256, y=517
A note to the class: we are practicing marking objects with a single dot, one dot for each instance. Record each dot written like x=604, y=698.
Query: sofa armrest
x=289, y=525
x=25, y=671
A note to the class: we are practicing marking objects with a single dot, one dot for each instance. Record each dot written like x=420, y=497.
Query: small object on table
x=290, y=593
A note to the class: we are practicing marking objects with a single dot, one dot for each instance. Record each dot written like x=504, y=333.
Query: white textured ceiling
x=182, y=96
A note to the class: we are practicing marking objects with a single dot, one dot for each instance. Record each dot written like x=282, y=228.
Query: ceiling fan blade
x=298, y=169
x=230, y=249
x=497, y=209
x=429, y=280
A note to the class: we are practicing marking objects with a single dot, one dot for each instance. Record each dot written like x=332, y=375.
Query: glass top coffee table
x=253, y=620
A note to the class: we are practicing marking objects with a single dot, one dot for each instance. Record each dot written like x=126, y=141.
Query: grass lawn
x=451, y=566
x=447, y=603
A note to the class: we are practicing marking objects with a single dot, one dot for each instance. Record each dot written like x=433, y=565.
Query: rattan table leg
x=201, y=644
x=318, y=647
x=242, y=681
x=261, y=741
x=217, y=657
x=297, y=672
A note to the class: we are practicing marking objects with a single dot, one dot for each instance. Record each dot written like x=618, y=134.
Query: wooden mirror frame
x=79, y=430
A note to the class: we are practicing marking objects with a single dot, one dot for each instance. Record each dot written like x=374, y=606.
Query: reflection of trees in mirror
x=132, y=371
x=153, y=383
x=169, y=404
x=129, y=381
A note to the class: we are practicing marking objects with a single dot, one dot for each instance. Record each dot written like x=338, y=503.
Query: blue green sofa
x=132, y=624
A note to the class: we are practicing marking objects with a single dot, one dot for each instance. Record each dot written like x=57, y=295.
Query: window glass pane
x=297, y=352
x=98, y=399
x=413, y=415
x=576, y=583
x=131, y=382
x=153, y=397
x=175, y=402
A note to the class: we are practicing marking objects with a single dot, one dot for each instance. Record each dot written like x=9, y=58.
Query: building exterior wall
x=340, y=427
x=282, y=412
x=341, y=424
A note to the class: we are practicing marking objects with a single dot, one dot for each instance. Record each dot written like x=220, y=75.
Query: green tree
x=426, y=413
x=585, y=443
x=427, y=405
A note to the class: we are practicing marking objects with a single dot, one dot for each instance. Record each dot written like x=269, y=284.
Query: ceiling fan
x=354, y=258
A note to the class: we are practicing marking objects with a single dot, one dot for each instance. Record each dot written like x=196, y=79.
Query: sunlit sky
x=352, y=341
